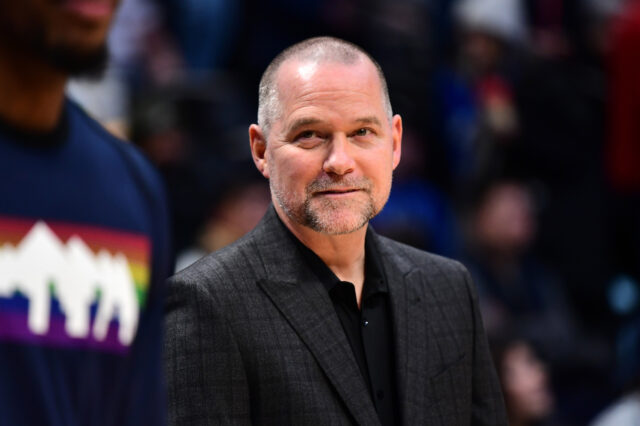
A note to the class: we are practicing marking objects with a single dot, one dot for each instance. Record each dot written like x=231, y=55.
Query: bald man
x=313, y=318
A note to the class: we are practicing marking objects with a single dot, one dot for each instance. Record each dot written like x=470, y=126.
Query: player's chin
x=80, y=60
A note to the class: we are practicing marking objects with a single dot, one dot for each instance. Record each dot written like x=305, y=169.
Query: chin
x=338, y=220
x=76, y=61
x=337, y=227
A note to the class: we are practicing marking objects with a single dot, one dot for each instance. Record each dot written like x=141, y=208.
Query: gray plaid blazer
x=253, y=338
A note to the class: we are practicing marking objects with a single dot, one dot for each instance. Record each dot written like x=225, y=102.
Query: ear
x=258, y=144
x=396, y=134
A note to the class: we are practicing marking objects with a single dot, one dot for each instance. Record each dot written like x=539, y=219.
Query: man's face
x=331, y=153
x=69, y=34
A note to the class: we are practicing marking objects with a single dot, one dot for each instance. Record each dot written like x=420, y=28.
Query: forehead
x=305, y=84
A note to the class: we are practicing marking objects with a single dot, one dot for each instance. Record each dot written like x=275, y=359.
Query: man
x=83, y=248
x=312, y=318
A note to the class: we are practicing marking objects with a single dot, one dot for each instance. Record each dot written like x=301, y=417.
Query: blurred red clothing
x=623, y=146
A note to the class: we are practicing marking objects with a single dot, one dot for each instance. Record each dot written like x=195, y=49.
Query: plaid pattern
x=252, y=338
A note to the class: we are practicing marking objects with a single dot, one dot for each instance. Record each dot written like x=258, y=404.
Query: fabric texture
x=367, y=328
x=83, y=260
x=252, y=337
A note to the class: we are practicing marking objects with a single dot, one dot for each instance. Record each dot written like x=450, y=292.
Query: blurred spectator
x=517, y=292
x=525, y=383
x=561, y=97
x=475, y=99
x=108, y=99
x=514, y=288
x=194, y=132
x=553, y=26
x=238, y=210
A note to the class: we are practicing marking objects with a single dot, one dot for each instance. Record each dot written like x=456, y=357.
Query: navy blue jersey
x=83, y=258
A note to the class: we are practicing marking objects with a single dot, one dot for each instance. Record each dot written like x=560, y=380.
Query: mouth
x=338, y=191
x=88, y=9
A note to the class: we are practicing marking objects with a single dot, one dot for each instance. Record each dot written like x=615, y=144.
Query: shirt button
x=365, y=323
x=380, y=394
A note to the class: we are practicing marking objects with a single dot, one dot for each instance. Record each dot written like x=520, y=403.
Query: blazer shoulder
x=411, y=258
x=235, y=264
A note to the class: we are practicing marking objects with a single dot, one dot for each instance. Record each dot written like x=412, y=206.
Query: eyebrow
x=306, y=121
x=301, y=122
x=371, y=119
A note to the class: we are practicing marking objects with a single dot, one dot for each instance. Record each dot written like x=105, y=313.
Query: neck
x=32, y=91
x=343, y=254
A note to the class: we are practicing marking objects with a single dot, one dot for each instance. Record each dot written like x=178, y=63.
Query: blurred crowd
x=520, y=158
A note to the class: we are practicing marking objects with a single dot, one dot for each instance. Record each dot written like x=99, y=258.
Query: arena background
x=520, y=157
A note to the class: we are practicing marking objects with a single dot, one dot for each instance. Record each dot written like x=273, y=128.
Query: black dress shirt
x=369, y=329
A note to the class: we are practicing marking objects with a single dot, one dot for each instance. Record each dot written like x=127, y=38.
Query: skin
x=505, y=223
x=329, y=158
x=34, y=86
x=525, y=385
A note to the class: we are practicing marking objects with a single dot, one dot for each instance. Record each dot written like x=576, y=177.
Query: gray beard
x=314, y=221
x=312, y=217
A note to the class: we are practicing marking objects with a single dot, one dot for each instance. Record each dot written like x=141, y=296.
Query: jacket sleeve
x=486, y=396
x=206, y=381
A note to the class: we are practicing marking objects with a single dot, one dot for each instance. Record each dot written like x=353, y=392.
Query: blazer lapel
x=411, y=348
x=304, y=302
x=418, y=322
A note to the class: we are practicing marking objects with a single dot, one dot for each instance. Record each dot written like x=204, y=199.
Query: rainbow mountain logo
x=74, y=293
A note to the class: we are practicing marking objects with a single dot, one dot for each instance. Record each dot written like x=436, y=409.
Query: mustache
x=328, y=183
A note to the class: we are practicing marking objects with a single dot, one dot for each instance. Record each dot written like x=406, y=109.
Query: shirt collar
x=374, y=282
x=38, y=139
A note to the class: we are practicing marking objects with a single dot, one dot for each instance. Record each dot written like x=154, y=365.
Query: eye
x=308, y=139
x=307, y=134
x=362, y=132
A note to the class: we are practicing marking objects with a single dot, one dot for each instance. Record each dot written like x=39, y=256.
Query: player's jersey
x=83, y=257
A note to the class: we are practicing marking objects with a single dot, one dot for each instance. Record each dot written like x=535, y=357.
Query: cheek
x=64, y=31
x=80, y=39
x=292, y=170
x=379, y=169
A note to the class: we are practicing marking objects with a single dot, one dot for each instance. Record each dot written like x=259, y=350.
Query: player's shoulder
x=133, y=159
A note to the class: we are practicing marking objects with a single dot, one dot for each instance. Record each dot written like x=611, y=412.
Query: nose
x=339, y=160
